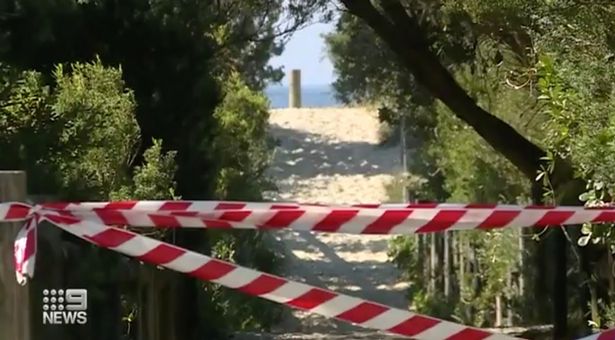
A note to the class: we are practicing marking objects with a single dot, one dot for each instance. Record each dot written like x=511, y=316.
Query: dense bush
x=546, y=69
x=170, y=109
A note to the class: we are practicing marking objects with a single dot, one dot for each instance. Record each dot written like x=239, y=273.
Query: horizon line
x=302, y=85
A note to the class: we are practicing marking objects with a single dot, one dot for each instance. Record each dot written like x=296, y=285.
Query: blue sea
x=311, y=96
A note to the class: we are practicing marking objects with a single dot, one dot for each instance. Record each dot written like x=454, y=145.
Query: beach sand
x=331, y=155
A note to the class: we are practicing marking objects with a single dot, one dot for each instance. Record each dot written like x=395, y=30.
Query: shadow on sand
x=304, y=155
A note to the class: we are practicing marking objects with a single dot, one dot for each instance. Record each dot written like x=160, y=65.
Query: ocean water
x=311, y=96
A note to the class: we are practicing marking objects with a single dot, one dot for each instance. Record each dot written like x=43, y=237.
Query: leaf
x=584, y=240
x=540, y=175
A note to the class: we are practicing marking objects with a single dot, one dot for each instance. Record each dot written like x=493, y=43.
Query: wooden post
x=522, y=271
x=404, y=160
x=509, y=297
x=447, y=265
x=14, y=299
x=432, y=264
x=498, y=310
x=454, y=243
x=294, y=89
x=462, y=264
x=156, y=320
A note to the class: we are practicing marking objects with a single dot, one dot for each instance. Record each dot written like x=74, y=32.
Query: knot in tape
x=15, y=211
x=24, y=246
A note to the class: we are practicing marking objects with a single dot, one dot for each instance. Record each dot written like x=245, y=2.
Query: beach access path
x=331, y=155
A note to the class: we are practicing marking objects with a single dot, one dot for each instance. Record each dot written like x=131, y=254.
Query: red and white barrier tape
x=293, y=294
x=606, y=335
x=90, y=222
x=357, y=219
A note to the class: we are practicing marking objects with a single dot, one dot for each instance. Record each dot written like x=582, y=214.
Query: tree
x=418, y=32
x=404, y=35
x=176, y=58
x=76, y=138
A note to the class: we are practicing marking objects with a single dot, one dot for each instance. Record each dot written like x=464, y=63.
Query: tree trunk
x=447, y=265
x=509, y=299
x=521, y=259
x=474, y=271
x=610, y=273
x=462, y=265
x=421, y=258
x=454, y=264
x=590, y=294
x=558, y=285
x=432, y=263
x=474, y=283
x=498, y=310
x=439, y=263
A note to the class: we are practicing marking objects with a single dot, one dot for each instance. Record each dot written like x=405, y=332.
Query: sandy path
x=331, y=156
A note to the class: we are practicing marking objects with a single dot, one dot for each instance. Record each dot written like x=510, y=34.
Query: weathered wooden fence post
x=294, y=89
x=15, y=311
x=404, y=159
x=156, y=320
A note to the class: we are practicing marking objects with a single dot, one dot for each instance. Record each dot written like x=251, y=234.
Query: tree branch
x=410, y=46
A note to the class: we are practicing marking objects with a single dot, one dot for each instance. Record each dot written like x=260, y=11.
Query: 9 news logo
x=65, y=307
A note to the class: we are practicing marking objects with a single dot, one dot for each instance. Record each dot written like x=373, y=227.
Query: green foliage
x=454, y=162
x=77, y=138
x=192, y=69
x=388, y=135
x=609, y=316
x=575, y=70
x=28, y=128
x=435, y=304
x=245, y=33
x=579, y=99
x=242, y=145
x=544, y=67
x=243, y=150
x=66, y=134
x=103, y=126
x=165, y=59
x=154, y=180
x=402, y=250
x=251, y=249
x=499, y=82
x=497, y=253
x=472, y=171
x=369, y=74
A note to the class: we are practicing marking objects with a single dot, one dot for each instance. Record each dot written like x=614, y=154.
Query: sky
x=306, y=51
